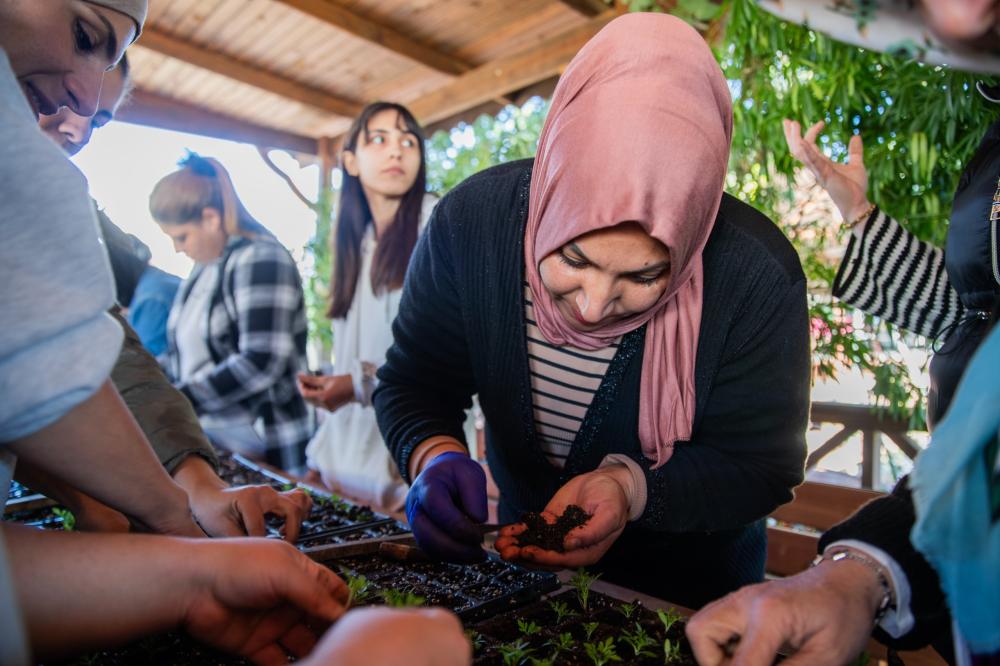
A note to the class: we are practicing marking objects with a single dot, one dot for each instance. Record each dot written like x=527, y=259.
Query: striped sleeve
x=888, y=272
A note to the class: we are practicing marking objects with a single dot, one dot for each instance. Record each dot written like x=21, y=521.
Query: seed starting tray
x=472, y=591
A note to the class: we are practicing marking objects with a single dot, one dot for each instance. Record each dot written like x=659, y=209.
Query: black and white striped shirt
x=564, y=380
x=890, y=273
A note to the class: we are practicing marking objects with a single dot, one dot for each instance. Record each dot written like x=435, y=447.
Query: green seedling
x=582, y=581
x=669, y=618
x=639, y=641
x=589, y=628
x=527, y=628
x=562, y=643
x=671, y=651
x=602, y=653
x=628, y=610
x=476, y=638
x=562, y=610
x=68, y=519
x=545, y=661
x=400, y=599
x=359, y=589
x=288, y=486
x=514, y=653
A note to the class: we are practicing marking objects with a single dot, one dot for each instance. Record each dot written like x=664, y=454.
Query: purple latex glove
x=444, y=506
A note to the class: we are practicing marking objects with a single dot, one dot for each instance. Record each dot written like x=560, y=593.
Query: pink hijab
x=639, y=130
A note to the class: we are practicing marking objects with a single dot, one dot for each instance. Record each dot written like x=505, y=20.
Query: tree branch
x=288, y=180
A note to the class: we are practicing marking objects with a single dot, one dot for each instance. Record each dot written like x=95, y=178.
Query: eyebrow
x=112, y=43
x=655, y=268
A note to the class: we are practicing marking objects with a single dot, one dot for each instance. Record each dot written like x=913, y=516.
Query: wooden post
x=326, y=163
x=871, y=458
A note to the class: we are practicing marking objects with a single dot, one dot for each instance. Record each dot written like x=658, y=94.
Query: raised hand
x=847, y=183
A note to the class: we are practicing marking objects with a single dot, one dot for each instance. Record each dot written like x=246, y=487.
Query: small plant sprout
x=671, y=651
x=68, y=519
x=527, y=628
x=668, y=618
x=589, y=628
x=628, y=610
x=288, y=486
x=401, y=599
x=562, y=643
x=562, y=610
x=545, y=661
x=639, y=641
x=582, y=580
x=476, y=639
x=602, y=653
x=359, y=589
x=514, y=653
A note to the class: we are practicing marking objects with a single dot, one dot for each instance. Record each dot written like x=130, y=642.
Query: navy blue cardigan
x=460, y=331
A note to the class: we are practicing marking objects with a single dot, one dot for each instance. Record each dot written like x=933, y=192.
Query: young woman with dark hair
x=383, y=203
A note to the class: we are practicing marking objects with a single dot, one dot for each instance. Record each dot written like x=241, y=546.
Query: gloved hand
x=445, y=503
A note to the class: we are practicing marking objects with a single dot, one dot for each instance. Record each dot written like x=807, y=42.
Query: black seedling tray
x=472, y=591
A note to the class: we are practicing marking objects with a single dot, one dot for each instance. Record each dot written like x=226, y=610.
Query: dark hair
x=200, y=183
x=392, y=257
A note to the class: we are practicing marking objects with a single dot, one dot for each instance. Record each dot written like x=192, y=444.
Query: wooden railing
x=871, y=425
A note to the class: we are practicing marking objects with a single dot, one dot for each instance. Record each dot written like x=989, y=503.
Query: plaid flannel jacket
x=257, y=339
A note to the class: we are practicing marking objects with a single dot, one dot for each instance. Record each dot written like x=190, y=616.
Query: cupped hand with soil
x=601, y=494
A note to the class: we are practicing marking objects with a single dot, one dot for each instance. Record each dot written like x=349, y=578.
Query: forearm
x=164, y=414
x=51, y=487
x=195, y=475
x=99, y=449
x=431, y=448
x=80, y=591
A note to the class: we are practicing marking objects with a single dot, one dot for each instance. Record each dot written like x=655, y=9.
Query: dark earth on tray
x=551, y=536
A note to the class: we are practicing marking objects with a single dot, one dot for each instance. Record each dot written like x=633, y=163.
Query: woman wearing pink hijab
x=637, y=338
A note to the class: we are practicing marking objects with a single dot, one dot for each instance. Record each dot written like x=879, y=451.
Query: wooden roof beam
x=153, y=110
x=336, y=15
x=506, y=74
x=244, y=72
x=587, y=7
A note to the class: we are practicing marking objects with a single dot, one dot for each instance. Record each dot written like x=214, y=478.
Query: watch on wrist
x=888, y=601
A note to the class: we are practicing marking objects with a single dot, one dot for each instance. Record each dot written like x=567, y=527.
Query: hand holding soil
x=597, y=494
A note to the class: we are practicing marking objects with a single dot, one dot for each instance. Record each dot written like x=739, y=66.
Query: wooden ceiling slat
x=146, y=108
x=506, y=74
x=380, y=34
x=246, y=73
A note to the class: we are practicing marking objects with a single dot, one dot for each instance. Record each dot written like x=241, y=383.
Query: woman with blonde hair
x=236, y=334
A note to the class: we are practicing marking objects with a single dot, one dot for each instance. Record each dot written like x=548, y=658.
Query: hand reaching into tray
x=225, y=511
x=824, y=615
x=599, y=493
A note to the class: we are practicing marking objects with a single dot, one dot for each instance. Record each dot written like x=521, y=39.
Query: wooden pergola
x=291, y=74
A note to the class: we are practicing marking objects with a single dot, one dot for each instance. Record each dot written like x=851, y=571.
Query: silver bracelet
x=888, y=601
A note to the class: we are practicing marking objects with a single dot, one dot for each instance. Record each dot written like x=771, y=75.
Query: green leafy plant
x=589, y=628
x=562, y=610
x=544, y=661
x=288, y=486
x=639, y=641
x=562, y=643
x=401, y=598
x=627, y=610
x=515, y=652
x=68, y=519
x=527, y=628
x=359, y=589
x=476, y=638
x=671, y=651
x=603, y=652
x=669, y=618
x=582, y=582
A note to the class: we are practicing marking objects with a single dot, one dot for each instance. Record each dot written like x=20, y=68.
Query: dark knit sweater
x=460, y=330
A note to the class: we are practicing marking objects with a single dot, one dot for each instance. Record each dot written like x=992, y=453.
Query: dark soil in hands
x=551, y=537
